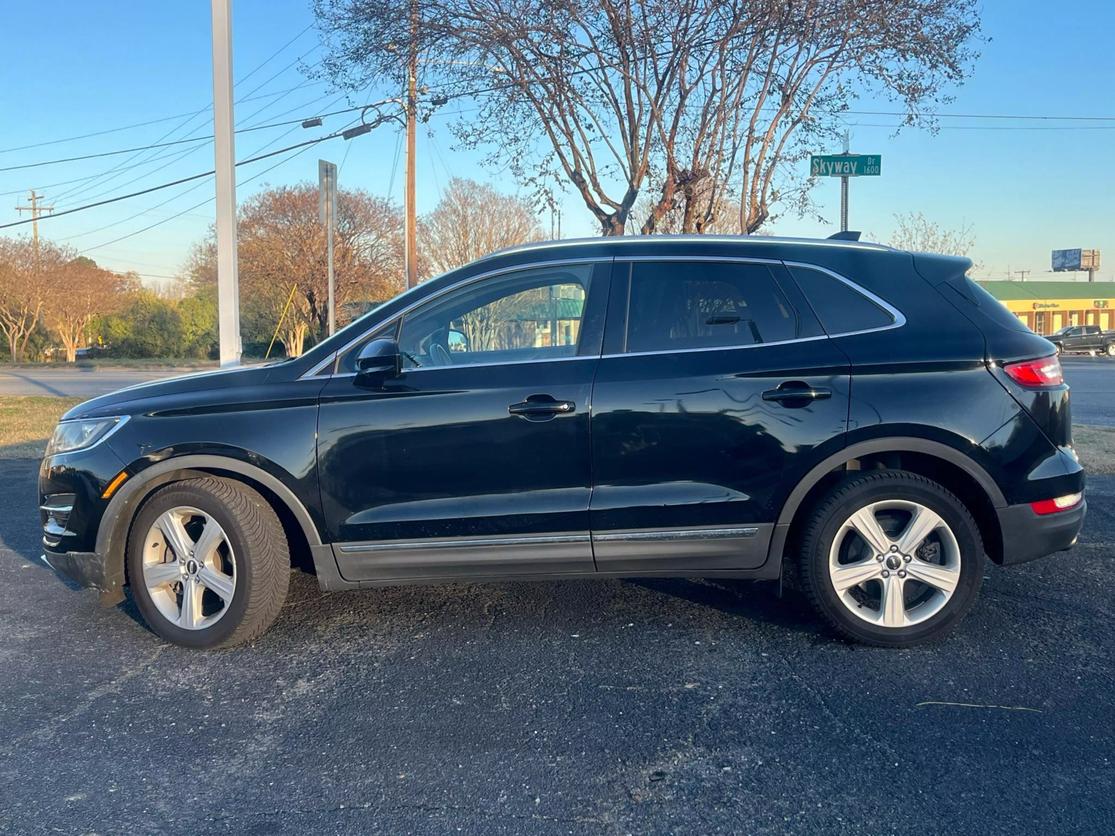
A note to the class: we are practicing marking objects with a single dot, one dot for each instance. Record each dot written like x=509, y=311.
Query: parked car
x=862, y=422
x=1084, y=338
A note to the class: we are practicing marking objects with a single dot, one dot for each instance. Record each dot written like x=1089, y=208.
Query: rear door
x=717, y=391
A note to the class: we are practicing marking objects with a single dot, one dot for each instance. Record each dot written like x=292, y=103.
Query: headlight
x=82, y=434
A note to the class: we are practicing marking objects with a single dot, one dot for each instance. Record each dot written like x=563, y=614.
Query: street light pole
x=228, y=290
x=411, y=230
x=327, y=211
x=844, y=191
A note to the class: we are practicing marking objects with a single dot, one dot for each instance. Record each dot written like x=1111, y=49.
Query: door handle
x=541, y=408
x=796, y=394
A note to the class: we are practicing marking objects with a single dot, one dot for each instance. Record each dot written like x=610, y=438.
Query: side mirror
x=379, y=358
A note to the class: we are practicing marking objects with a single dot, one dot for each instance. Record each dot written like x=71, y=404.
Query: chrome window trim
x=898, y=316
x=408, y=545
x=485, y=365
x=317, y=370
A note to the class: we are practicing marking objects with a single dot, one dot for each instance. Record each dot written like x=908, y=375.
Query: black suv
x=866, y=422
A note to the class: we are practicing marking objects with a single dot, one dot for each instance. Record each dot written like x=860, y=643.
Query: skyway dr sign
x=845, y=165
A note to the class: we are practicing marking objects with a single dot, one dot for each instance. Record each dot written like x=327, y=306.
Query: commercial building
x=1048, y=306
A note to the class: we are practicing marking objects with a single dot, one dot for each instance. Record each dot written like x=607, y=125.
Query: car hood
x=139, y=397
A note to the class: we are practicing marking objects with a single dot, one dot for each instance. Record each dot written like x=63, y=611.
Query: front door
x=476, y=459
x=716, y=385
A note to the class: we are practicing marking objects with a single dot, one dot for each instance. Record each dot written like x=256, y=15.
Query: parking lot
x=617, y=707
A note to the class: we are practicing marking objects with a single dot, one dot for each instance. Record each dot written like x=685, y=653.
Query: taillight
x=1045, y=371
x=1060, y=503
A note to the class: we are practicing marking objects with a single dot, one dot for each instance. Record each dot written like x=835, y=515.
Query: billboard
x=1064, y=260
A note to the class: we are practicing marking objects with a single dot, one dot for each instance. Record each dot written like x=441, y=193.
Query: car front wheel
x=893, y=559
x=208, y=563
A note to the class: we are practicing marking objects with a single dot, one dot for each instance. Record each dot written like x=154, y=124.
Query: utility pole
x=327, y=210
x=411, y=230
x=36, y=209
x=1022, y=274
x=844, y=190
x=228, y=282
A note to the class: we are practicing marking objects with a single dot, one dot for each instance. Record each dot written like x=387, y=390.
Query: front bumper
x=1028, y=536
x=88, y=569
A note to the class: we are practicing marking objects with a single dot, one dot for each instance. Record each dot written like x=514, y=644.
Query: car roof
x=619, y=242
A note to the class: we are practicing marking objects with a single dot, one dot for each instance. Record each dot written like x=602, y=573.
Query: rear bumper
x=88, y=569
x=1028, y=536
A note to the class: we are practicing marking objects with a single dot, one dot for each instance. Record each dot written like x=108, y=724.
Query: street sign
x=845, y=165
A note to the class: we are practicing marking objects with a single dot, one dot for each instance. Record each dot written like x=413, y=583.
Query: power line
x=171, y=199
x=989, y=127
x=179, y=141
x=150, y=122
x=178, y=156
x=188, y=209
x=177, y=182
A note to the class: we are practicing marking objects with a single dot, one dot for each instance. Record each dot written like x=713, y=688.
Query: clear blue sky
x=76, y=67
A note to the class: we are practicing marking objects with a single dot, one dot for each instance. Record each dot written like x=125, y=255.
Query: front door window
x=527, y=316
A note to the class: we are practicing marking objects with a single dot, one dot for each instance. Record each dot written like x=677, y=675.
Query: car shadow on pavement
x=751, y=600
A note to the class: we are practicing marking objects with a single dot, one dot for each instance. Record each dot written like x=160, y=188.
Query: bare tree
x=21, y=292
x=719, y=215
x=282, y=247
x=471, y=220
x=79, y=291
x=682, y=98
x=917, y=233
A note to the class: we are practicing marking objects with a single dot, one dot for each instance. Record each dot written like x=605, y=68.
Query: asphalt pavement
x=1093, y=384
x=75, y=382
x=682, y=706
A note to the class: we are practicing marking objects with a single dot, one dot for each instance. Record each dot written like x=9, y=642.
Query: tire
x=1060, y=348
x=833, y=551
x=231, y=587
x=1109, y=349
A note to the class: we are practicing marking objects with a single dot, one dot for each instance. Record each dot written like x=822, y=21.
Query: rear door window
x=841, y=308
x=678, y=305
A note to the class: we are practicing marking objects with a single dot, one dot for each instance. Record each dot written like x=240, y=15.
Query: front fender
x=146, y=477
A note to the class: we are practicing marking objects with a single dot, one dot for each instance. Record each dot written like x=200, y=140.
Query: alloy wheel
x=189, y=568
x=894, y=563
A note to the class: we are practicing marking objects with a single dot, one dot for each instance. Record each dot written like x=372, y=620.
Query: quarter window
x=841, y=308
x=705, y=304
x=528, y=315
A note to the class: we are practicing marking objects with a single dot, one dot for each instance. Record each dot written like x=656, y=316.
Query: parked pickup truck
x=1084, y=338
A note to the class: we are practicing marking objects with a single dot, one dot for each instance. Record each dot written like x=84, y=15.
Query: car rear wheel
x=893, y=559
x=1110, y=349
x=208, y=563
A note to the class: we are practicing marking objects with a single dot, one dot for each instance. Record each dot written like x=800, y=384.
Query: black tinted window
x=995, y=310
x=841, y=308
x=699, y=304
